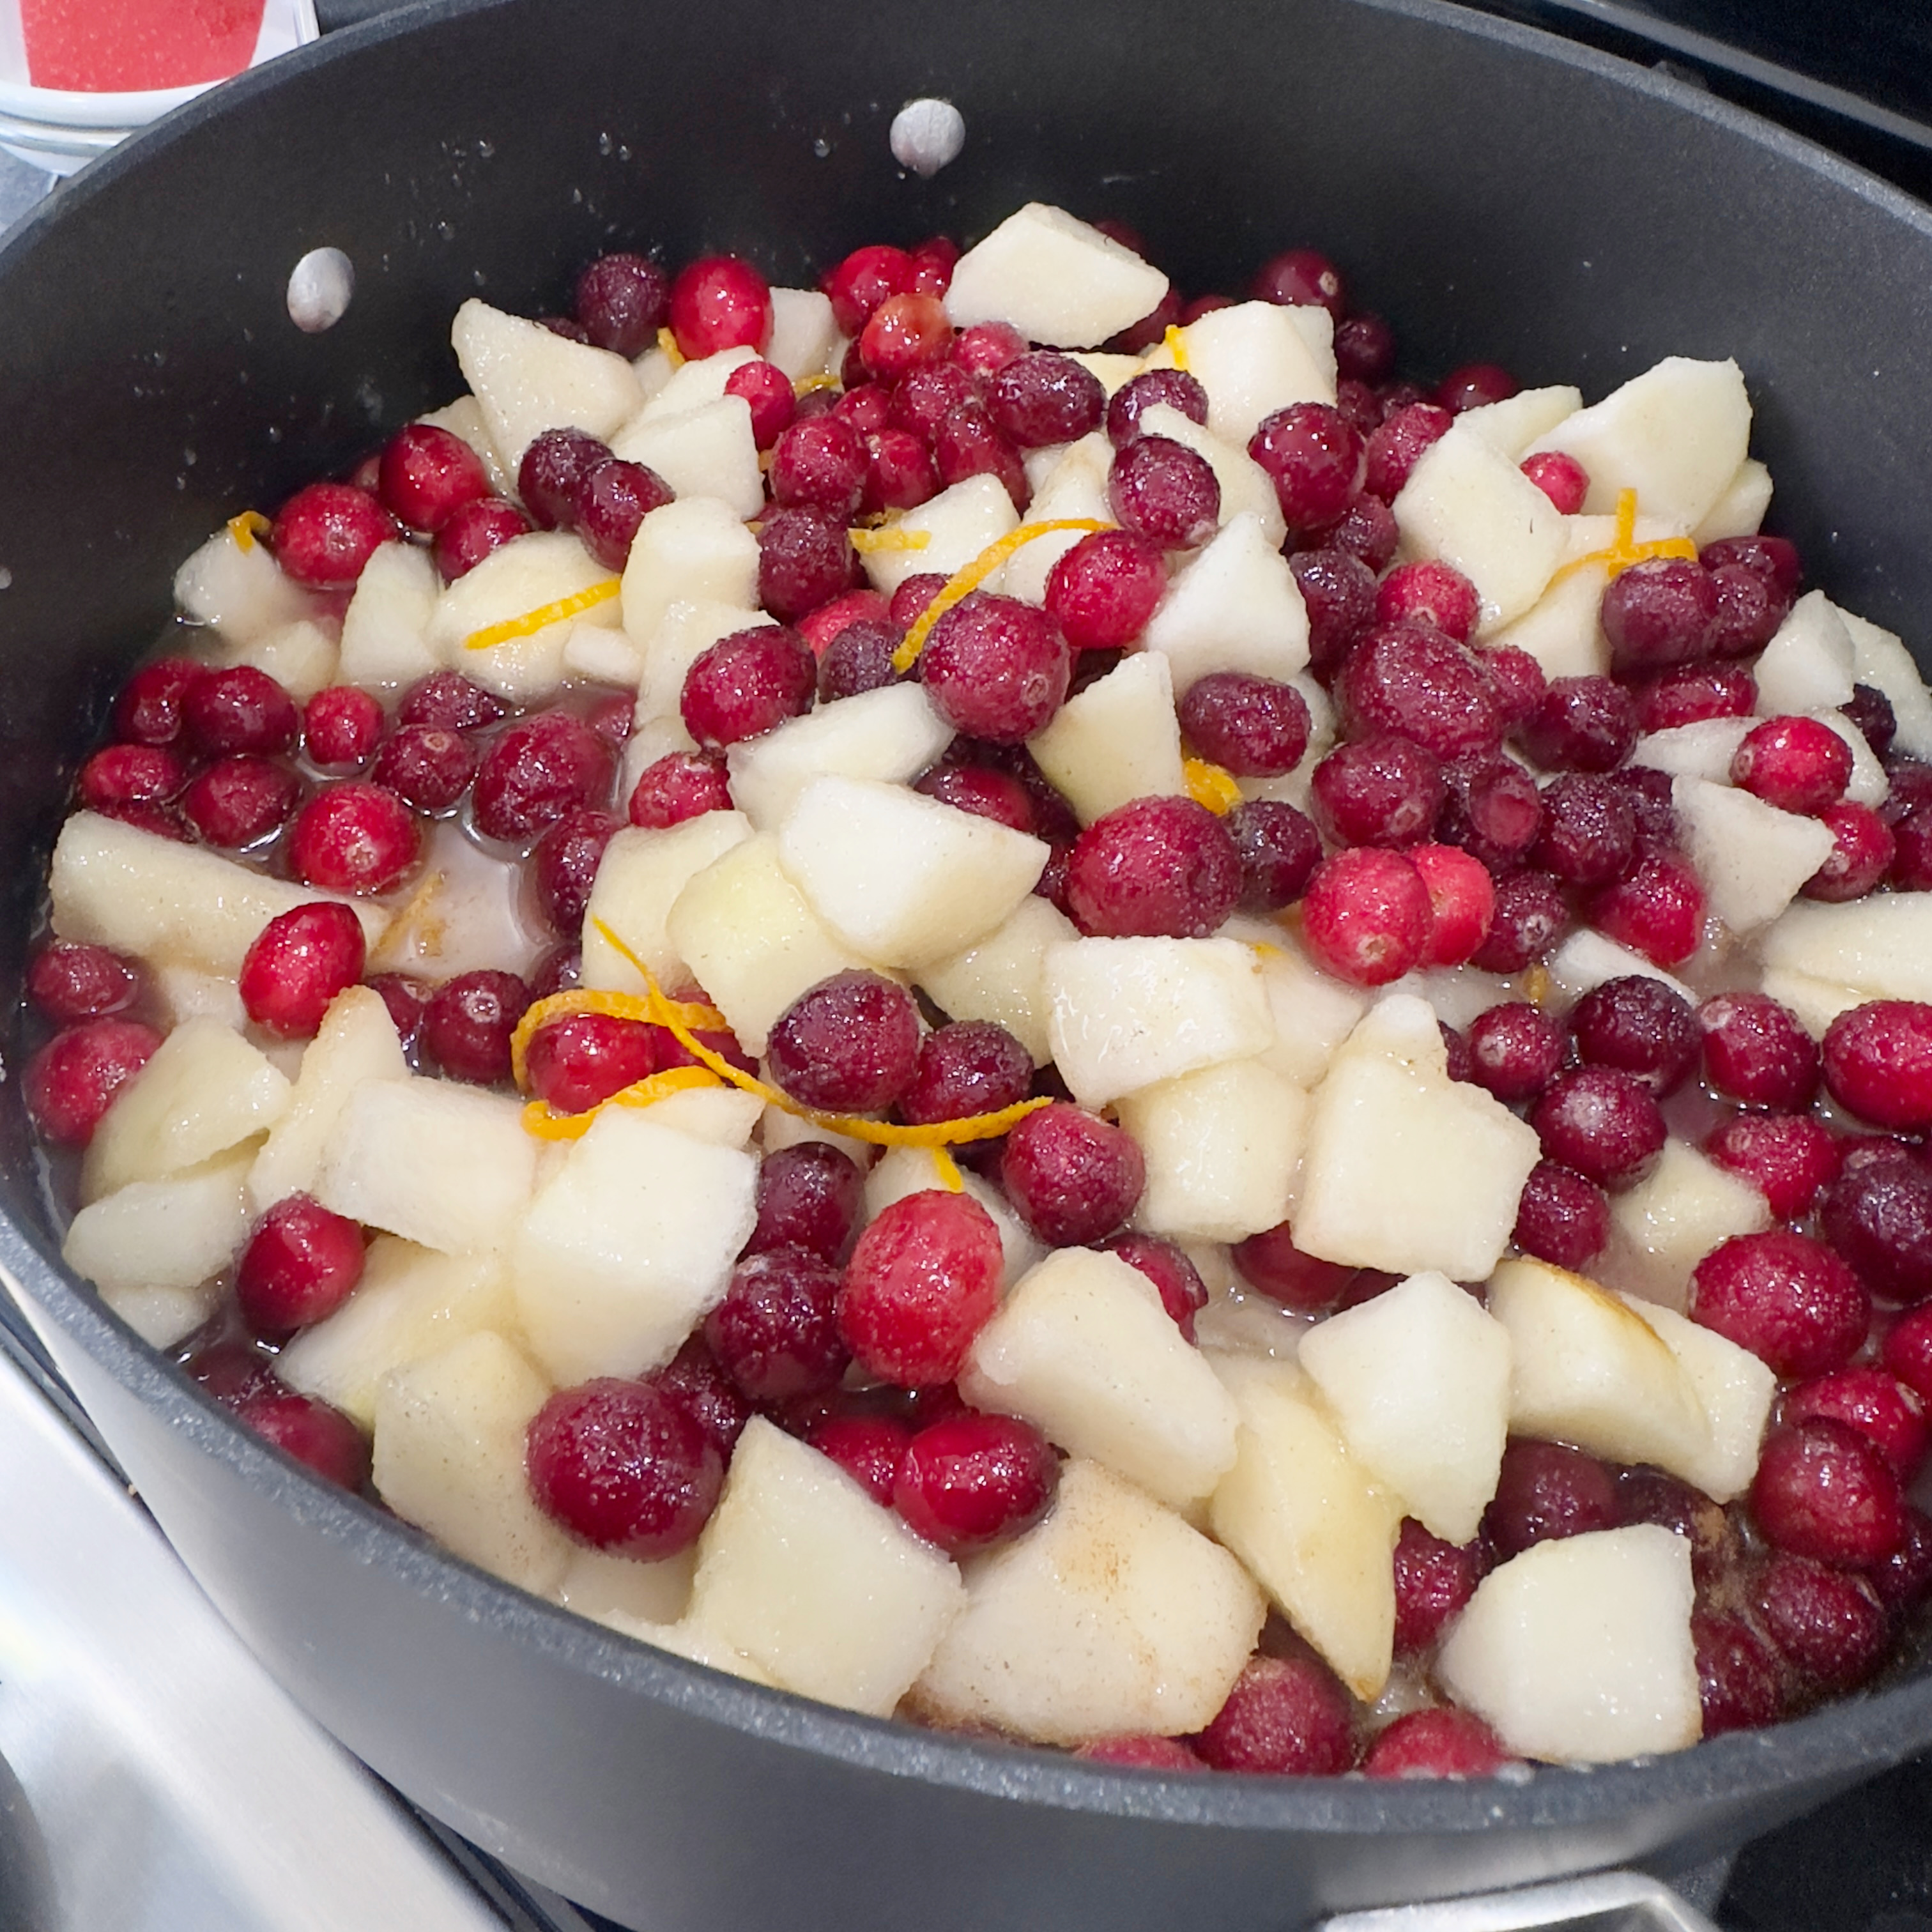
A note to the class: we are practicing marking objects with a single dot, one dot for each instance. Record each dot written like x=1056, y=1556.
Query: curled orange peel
x=805, y=385
x=544, y=1124
x=544, y=615
x=597, y=1000
x=1175, y=342
x=667, y=342
x=1624, y=549
x=867, y=542
x=246, y=528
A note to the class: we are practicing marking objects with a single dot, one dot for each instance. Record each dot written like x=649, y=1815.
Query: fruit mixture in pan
x=1005, y=1002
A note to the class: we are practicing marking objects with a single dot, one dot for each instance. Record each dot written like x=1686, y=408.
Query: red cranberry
x=1692, y=693
x=1878, y=1215
x=341, y=727
x=767, y=392
x=301, y=1263
x=69, y=982
x=1301, y=278
x=563, y=326
x=125, y=777
x=849, y=1045
x=1739, y=1678
x=447, y=701
x=1254, y=726
x=868, y=1448
x=1396, y=448
x=149, y=710
x=326, y=533
x=564, y=865
x=681, y=785
x=353, y=838
x=1279, y=848
x=1907, y=1352
x=1862, y=851
x=1315, y=459
x=1546, y=1491
x=775, y=1332
x=1749, y=613
x=537, y=772
x=1429, y=593
x=1530, y=916
x=1141, y=1751
x=1658, y=910
x=1603, y=1123
x=1515, y=1050
x=809, y=1196
x=1161, y=490
x=987, y=347
x=1474, y=385
x=1788, y=1299
x=551, y=475
x=996, y=668
x=1287, y=1715
x=819, y=464
x=1271, y=1262
x=1154, y=867
x=923, y=1282
x=1176, y=1280
x=1072, y=1176
x=405, y=999
x=1493, y=811
x=1830, y=1626
x=1583, y=724
x=623, y=1468
x=1366, y=916
x=427, y=474
x=244, y=710
x=426, y=767
x=1364, y=348
x=719, y=302
x=1649, y=793
x=1639, y=1025
x=1101, y=592
x=983, y=792
x=903, y=332
x=972, y=1480
x=859, y=659
x=1903, y=1580
x=1795, y=763
x=1560, y=478
x=1825, y=1490
x=863, y=281
x=1366, y=529
x=320, y=1437
x=232, y=1371
x=1045, y=398
x=1774, y=559
x=1339, y=592
x=1589, y=829
x=1877, y=1060
x=692, y=1382
x=966, y=444
x=1433, y=1580
x=1790, y=1158
x=1755, y=1052
x=925, y=397
x=805, y=559
x=72, y=1080
x=238, y=801
x=1461, y=905
x=1561, y=1218
x=1444, y=1743
x=300, y=960
x=967, y=1067
x=1656, y=614
x=1379, y=791
x=1411, y=679
x=1912, y=855
x=467, y=1026
x=473, y=531
x=578, y=1061
x=1872, y=716
x=1884, y=1410
x=611, y=500
x=622, y=300
x=1174, y=388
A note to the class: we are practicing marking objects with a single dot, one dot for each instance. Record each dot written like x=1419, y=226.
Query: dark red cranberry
x=983, y=792
x=1161, y=490
x=341, y=726
x=72, y=1080
x=693, y=1384
x=406, y=1000
x=353, y=838
x=1366, y=529
x=1493, y=810
x=1589, y=829
x=320, y=1437
x=1301, y=278
x=680, y=785
x=232, y=1370
x=1254, y=726
x=1378, y=790
x=1862, y=851
x=1517, y=682
x=537, y=772
x=819, y=464
x=1411, y=679
x=564, y=865
x=1364, y=348
x=964, y=1068
x=1824, y=1490
x=1151, y=327
x=1907, y=1352
x=426, y=767
x=1739, y=1677
x=1877, y=1061
x=301, y=1263
x=1315, y=459
x=1338, y=590
x=809, y=1196
x=1285, y=1715
x=1656, y=613
x=242, y=710
x=1072, y=1176
x=467, y=1025
x=1515, y=1050
x=1101, y=592
x=621, y=300
x=1271, y=1262
x=1830, y=1626
x=611, y=500
x=1775, y=559
x=237, y=801
x=1397, y=447
x=1795, y=764
x=1639, y=1025
x=1546, y=1491
x=1442, y=1743
x=1530, y=917
x=563, y=326
x=1154, y=867
x=1872, y=716
x=1658, y=911
x=473, y=531
x=925, y=397
x=1603, y=1123
x=966, y=445
x=1649, y=793
x=300, y=960
x=427, y=474
x=1433, y=1580
x=552, y=474
x=1788, y=1299
x=1561, y=1217
x=1173, y=389
x=578, y=1060
x=131, y=775
x=996, y=668
x=1912, y=853
x=1474, y=386
x=447, y=701
x=1583, y=724
x=326, y=533
x=1044, y=398
x=149, y=709
x=971, y=1481
x=900, y=474
x=805, y=559
x=1279, y=848
x=1755, y=1052
x=923, y=1282
x=1176, y=1280
x=776, y=1332
x=1886, y=1411
x=849, y=1045
x=719, y=302
x=1141, y=1751
x=1878, y=1215
x=69, y=981
x=1749, y=613
x=1903, y=1581
x=1791, y=1158
x=1367, y=915
x=1692, y=693
x=859, y=659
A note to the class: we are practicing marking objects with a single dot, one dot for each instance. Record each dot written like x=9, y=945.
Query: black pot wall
x=1498, y=195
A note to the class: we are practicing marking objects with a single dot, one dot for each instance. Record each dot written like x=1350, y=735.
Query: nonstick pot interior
x=1498, y=194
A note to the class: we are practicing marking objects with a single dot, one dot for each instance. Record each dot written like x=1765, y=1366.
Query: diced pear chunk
x=708, y=451
x=627, y=1243
x=527, y=574
x=134, y=892
x=805, y=332
x=1560, y=630
x=905, y=879
x=1703, y=749
x=1586, y=959
x=301, y=657
x=1073, y=485
x=1666, y=1224
x=1880, y=947
x=1246, y=489
x=1752, y=857
x=1814, y=1004
x=1313, y=1011
x=1003, y=977
x=695, y=549
x=385, y=630
x=1126, y=1012
x=1809, y=664
x=642, y=872
x=1579, y=1651
x=1117, y=740
x=1056, y=280
x=1312, y=1526
x=1675, y=435
x=1234, y=607
x=721, y=1116
x=1388, y=1115
x=891, y=735
x=802, y=1571
x=1083, y=1349
x=1223, y=1147
x=956, y=526
x=1736, y=1389
x=1111, y=1617
x=1739, y=511
x=1585, y=1370
x=1868, y=783
x=1418, y=1378
x=205, y=1090
x=701, y=380
x=1252, y=359
x=623, y=1591
x=529, y=379
x=447, y=1166
x=449, y=1458
x=1511, y=426
x=242, y=593
x=464, y=417
x=1879, y=659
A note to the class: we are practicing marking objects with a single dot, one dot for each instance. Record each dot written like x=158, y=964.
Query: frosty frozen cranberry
x=448, y=701
x=1379, y=791
x=242, y=710
x=767, y=392
x=1045, y=397
x=473, y=531
x=987, y=347
x=1602, y=1122
x=1301, y=278
x=1285, y=1715
x=467, y=1026
x=1879, y=1216
x=1254, y=726
x=1739, y=1676
x=1411, y=679
x=971, y=1481
x=996, y=668
x=859, y=659
x=1429, y=593
x=1825, y=1490
x=923, y=1282
x=326, y=533
x=125, y=776
x=563, y=868
x=1366, y=916
x=1583, y=724
x=1398, y=445
x=1366, y=529
x=776, y=1331
x=149, y=710
x=964, y=1068
x=1912, y=841
x=1886, y=1411
x=1315, y=459
x=679, y=786
x=1176, y=1280
x=553, y=471
x=717, y=302
x=1749, y=610
x=1072, y=1176
x=1907, y=1352
x=1271, y=1262
x=1279, y=848
x=849, y=1045
x=1692, y=693
x=809, y=1196
x=623, y=1468
x=578, y=1060
x=235, y=801
x=1870, y=714
x=1101, y=592
x=1338, y=591
x=1656, y=613
x=1561, y=1217
x=69, y=981
x=1493, y=810
x=1755, y=1052
x=536, y=773
x=1588, y=836
x=1649, y=793
x=1546, y=1491
x=1443, y=1743
x=353, y=838
x=1154, y=867
x=1560, y=477
x=820, y=464
x=426, y=767
x=868, y=1448
x=341, y=727
x=1640, y=1025
x=298, y=963
x=427, y=474
x=1795, y=764
x=1433, y=1580
x=966, y=445
x=1791, y=1158
x=621, y=300
x=1172, y=388
x=805, y=559
x=301, y=1263
x=1160, y=490
x=320, y=1437
x=983, y=792
x=610, y=501
x=1788, y=1299
x=1877, y=1061
x=71, y=1081
x=1831, y=1627
x=1862, y=851
x=925, y=397
x=1658, y=910
x=1529, y=917
x=693, y=1383
x=1515, y=1050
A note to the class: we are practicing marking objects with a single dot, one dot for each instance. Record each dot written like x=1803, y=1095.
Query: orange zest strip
x=667, y=342
x=950, y=1178
x=963, y=582
x=540, y=1122
x=669, y=1014
x=544, y=615
x=612, y=1005
x=1175, y=343
x=1210, y=785
x=1624, y=549
x=247, y=527
x=805, y=385
x=865, y=542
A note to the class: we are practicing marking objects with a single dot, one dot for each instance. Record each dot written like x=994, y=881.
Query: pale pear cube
x=695, y=550
x=705, y=452
x=1815, y=1003
x=1387, y=1113
x=802, y=1571
x=1124, y=1013
x=1739, y=511
x=204, y=1090
x=301, y=657
x=528, y=574
x=723, y=1116
x=1246, y=487
x=1662, y=1227
x=1736, y=1389
x=412, y=1303
x=1223, y=1147
x=186, y=993
x=135, y=892
x=528, y=379
x=700, y=380
x=1579, y=1651
x=1056, y=280
x=385, y=630
x=1868, y=783
x=778, y=1129
x=1313, y=1526
x=643, y=870
x=603, y=656
x=1235, y=607
x=1083, y=1349
x=745, y=932
x=240, y=592
x=901, y=1170
x=806, y=339
x=604, y=1587
x=1418, y=1379
x=449, y=1458
x=166, y=1236
x=653, y=369
x=1675, y=435
x=1586, y=959
x=955, y=526
x=1252, y=360
x=1111, y=1617
x=1809, y=665
x=1473, y=509
x=683, y=635
x=628, y=1245
x=903, y=879
x=1313, y=1011
x=1073, y=485
x=1880, y=947
x=1751, y=857
x=465, y=418
x=1003, y=977
x=687, y=1640
x=1115, y=371
x=165, y=1317
x=1511, y=426
x=1117, y=740
x=1587, y=1371
x=1879, y=659
x=1459, y=994
x=447, y=1166
x=891, y=735
x=1703, y=749
x=1560, y=630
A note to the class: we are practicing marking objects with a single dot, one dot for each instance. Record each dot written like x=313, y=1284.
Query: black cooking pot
x=1498, y=194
